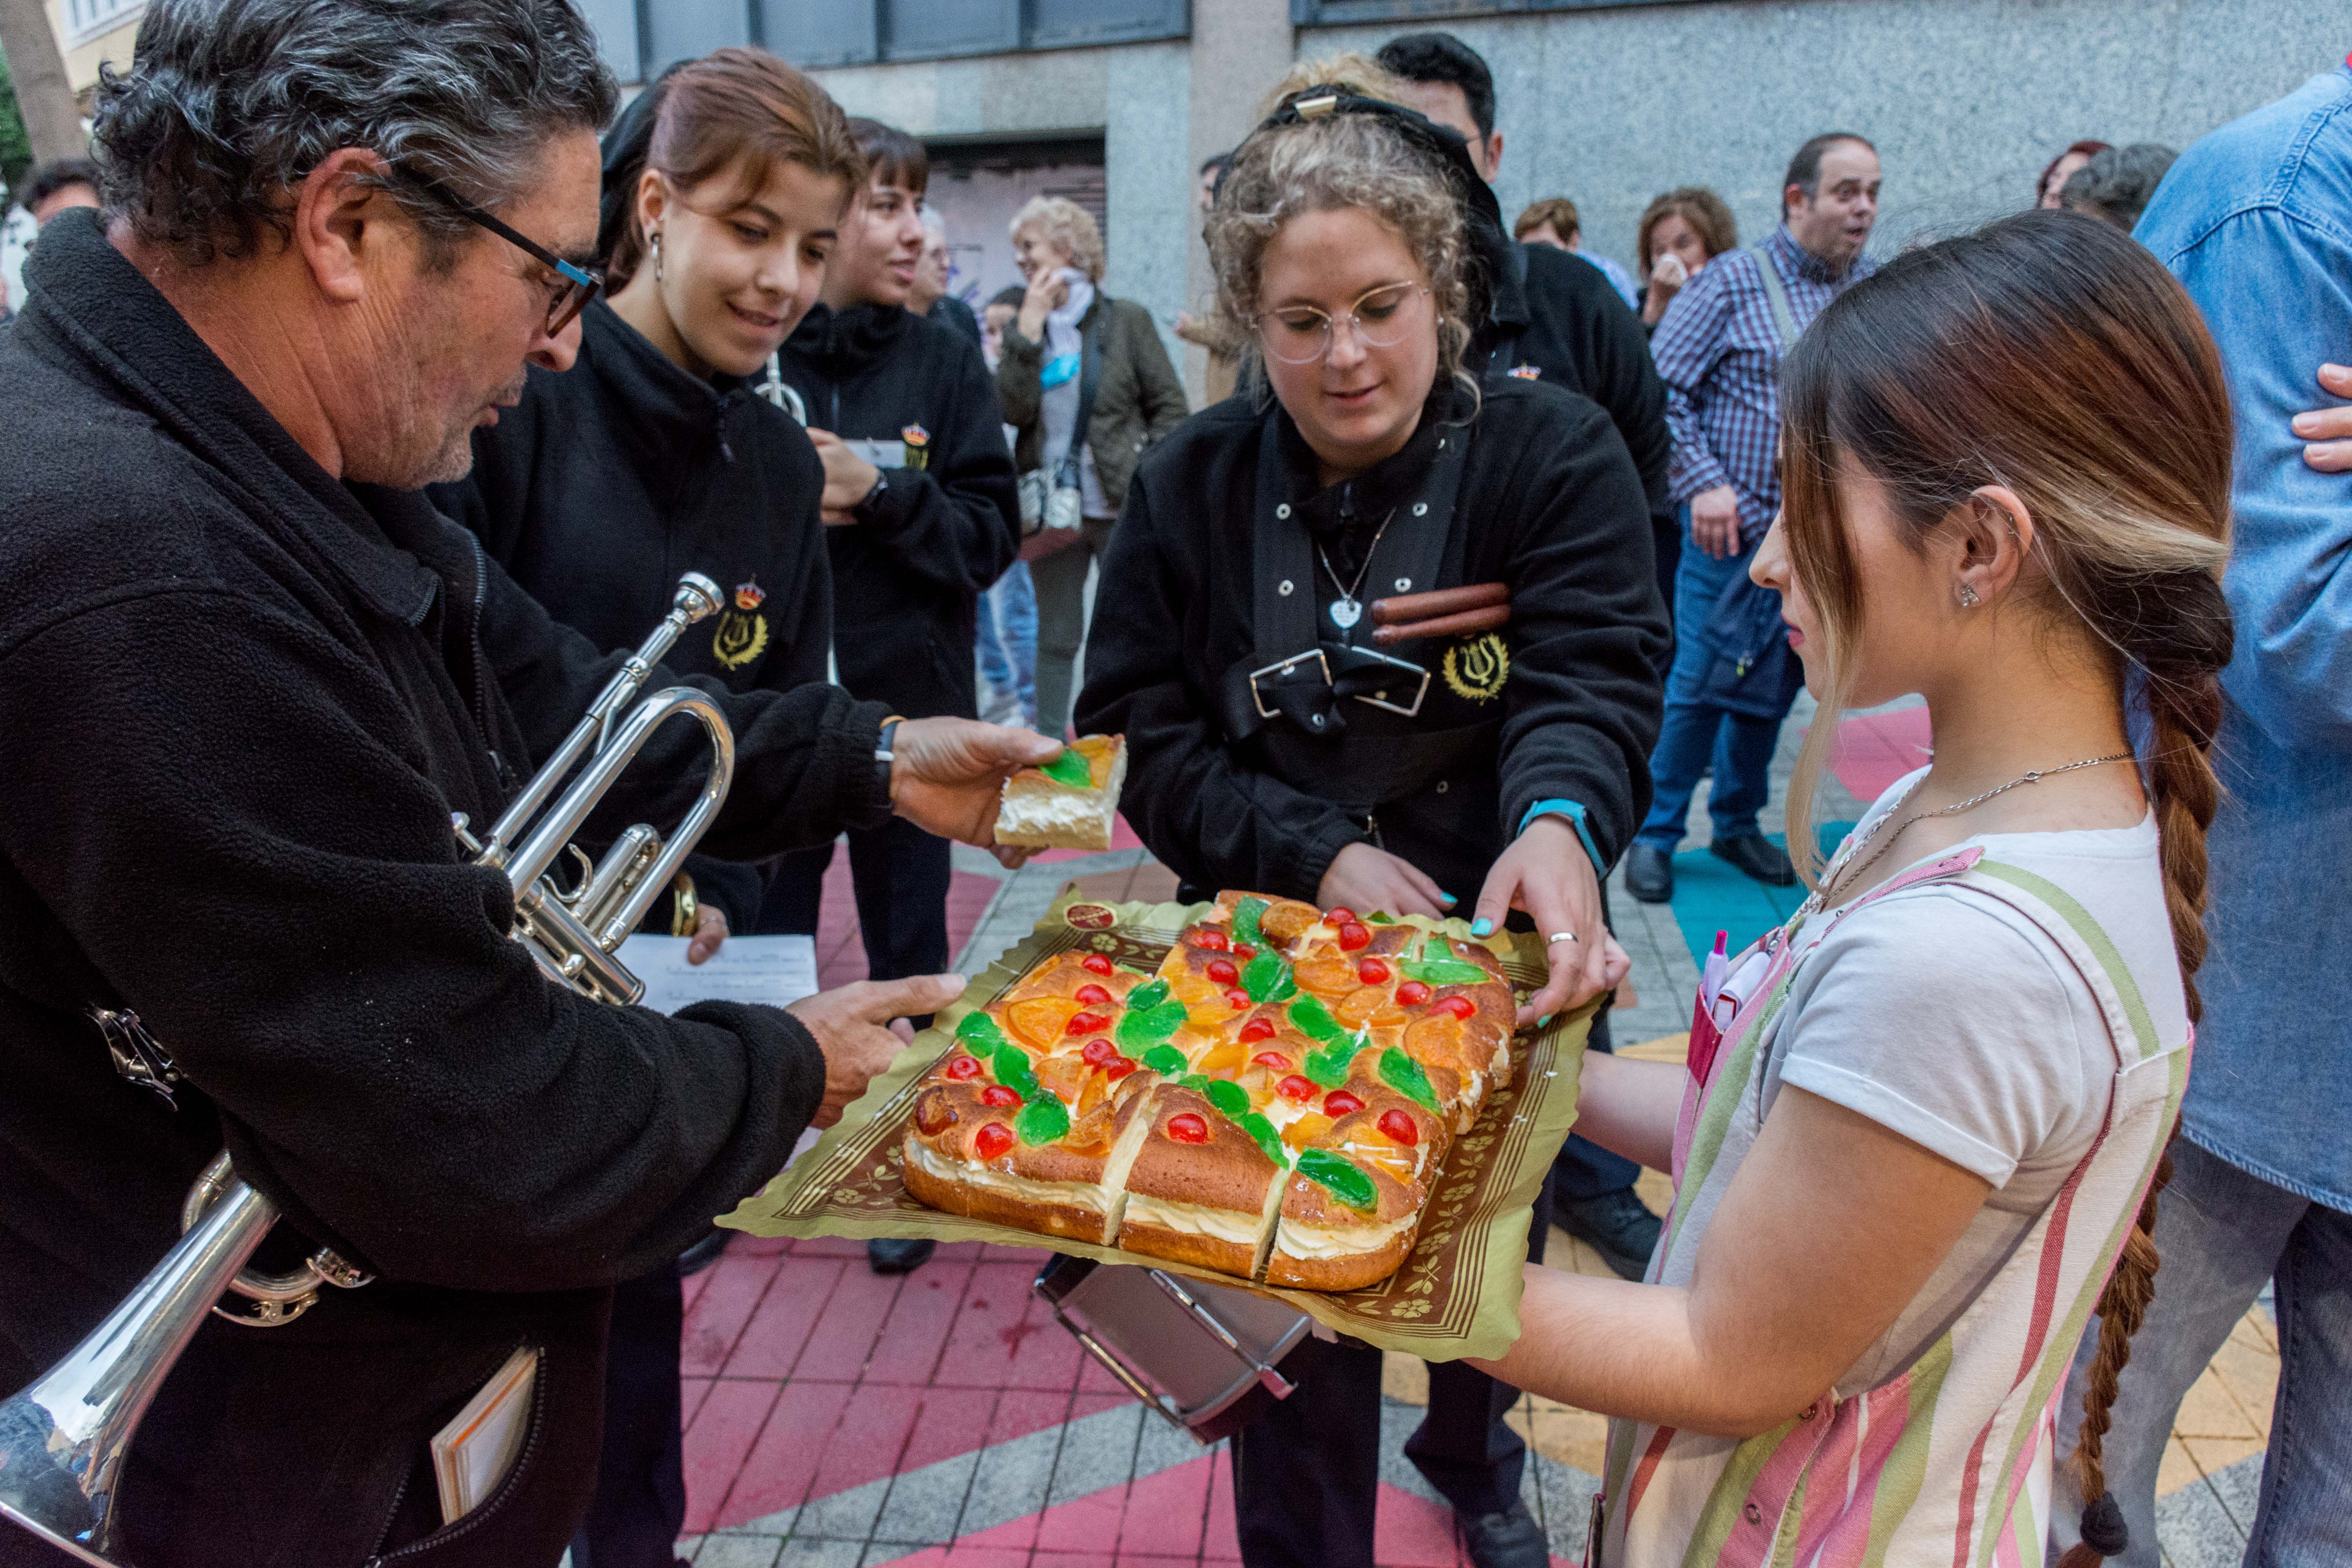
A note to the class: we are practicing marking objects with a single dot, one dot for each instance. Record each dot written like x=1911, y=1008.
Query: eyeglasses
x=574, y=286
x=1301, y=334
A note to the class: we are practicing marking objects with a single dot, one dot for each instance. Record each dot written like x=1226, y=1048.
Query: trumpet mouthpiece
x=697, y=595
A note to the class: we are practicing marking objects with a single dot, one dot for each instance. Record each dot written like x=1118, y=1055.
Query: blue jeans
x=1008, y=642
x=2220, y=1232
x=1740, y=744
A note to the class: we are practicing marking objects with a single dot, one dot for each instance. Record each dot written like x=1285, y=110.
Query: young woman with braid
x=1924, y=1144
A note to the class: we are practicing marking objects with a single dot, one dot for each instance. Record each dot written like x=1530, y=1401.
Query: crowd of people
x=371, y=413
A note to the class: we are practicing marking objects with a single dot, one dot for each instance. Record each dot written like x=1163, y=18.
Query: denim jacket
x=2256, y=222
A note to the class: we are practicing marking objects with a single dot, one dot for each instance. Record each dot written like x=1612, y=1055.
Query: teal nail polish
x=1482, y=926
x=1545, y=1022
x=1447, y=898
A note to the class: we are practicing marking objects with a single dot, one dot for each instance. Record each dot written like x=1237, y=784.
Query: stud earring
x=656, y=244
x=1968, y=597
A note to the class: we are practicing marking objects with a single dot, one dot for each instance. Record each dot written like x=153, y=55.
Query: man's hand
x=1715, y=521
x=1363, y=878
x=1547, y=873
x=847, y=478
x=949, y=774
x=709, y=934
x=2329, y=430
x=852, y=1026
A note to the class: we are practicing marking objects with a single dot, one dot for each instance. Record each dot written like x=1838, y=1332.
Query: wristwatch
x=884, y=757
x=864, y=510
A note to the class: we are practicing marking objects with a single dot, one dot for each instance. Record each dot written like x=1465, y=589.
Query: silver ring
x=1560, y=936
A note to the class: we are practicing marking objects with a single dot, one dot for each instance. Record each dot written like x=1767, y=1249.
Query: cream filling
x=1092, y=1195
x=1047, y=806
x=1293, y=1239
x=1195, y=1219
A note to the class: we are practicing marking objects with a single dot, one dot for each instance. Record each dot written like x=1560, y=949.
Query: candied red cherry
x=1340, y=915
x=1412, y=993
x=1214, y=940
x=1272, y=1061
x=1372, y=971
x=1245, y=951
x=1238, y=999
x=991, y=1140
x=1399, y=1128
x=1186, y=1128
x=1460, y=1006
x=1085, y=1024
x=1095, y=964
x=1092, y=996
x=1099, y=1052
x=1340, y=1102
x=1119, y=1068
x=999, y=1095
x=1223, y=972
x=1354, y=937
x=963, y=1067
x=1257, y=1029
x=1295, y=1088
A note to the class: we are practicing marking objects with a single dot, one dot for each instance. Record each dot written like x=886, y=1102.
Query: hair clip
x=1318, y=106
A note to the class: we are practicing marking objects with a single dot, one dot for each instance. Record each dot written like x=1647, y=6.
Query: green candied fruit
x=1146, y=996
x=1230, y=1099
x=1403, y=1074
x=1343, y=1180
x=1268, y=1140
x=1070, y=768
x=1267, y=978
x=1443, y=971
x=979, y=1029
x=1328, y=1066
x=1011, y=1065
x=1379, y=918
x=1140, y=1030
x=1310, y=1017
x=1247, y=914
x=1041, y=1121
x=1165, y=1061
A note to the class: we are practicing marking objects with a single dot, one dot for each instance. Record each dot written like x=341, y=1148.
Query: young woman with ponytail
x=1924, y=1124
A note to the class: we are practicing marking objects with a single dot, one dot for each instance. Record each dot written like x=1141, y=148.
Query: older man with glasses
x=247, y=675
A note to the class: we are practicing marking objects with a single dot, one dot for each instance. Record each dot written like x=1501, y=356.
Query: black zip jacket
x=241, y=702
x=1558, y=313
x=906, y=579
x=1546, y=498
x=611, y=480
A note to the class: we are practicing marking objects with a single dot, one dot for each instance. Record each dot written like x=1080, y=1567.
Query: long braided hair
x=2048, y=353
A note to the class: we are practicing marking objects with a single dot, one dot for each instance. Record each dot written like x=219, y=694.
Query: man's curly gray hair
x=229, y=104
x=1325, y=165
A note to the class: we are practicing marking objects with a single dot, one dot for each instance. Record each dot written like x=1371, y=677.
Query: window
x=1338, y=13
x=86, y=19
x=640, y=38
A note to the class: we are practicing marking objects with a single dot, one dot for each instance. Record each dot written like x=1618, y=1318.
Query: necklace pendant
x=1346, y=613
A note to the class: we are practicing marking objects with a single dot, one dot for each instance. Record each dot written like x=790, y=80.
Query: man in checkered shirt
x=1718, y=350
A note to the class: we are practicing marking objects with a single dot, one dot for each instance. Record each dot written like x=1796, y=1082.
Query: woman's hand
x=1547, y=873
x=1363, y=878
x=1667, y=276
x=709, y=933
x=947, y=775
x=848, y=478
x=2329, y=430
x=852, y=1026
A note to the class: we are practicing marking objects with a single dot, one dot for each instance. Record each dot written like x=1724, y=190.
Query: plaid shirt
x=1719, y=355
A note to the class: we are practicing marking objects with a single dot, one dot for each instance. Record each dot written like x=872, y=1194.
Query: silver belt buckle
x=1284, y=666
x=1419, y=691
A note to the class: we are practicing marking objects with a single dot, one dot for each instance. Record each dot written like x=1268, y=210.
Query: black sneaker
x=1618, y=1226
x=1511, y=1539
x=894, y=1254
x=1649, y=873
x=1759, y=857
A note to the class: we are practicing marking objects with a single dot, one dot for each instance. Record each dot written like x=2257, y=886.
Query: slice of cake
x=1205, y=1182
x=1069, y=801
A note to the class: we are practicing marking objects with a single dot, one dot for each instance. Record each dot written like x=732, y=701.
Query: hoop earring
x=1967, y=595
x=657, y=245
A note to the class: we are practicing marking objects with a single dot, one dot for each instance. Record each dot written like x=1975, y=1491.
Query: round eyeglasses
x=1381, y=317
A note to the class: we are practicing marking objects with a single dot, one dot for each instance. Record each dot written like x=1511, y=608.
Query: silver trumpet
x=63, y=1438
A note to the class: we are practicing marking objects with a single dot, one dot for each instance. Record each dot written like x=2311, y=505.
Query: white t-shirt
x=1951, y=1020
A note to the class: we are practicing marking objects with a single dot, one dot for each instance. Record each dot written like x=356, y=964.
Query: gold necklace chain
x=2035, y=776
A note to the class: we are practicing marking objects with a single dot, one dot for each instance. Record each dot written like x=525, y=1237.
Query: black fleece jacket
x=241, y=702
x=610, y=480
x=907, y=579
x=1548, y=503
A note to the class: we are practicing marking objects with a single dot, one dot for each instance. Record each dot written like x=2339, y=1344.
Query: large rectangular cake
x=1274, y=1102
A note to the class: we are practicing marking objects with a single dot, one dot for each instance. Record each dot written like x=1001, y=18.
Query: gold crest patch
x=743, y=633
x=1476, y=670
x=917, y=442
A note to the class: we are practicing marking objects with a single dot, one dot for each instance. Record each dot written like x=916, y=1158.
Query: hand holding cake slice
x=1069, y=803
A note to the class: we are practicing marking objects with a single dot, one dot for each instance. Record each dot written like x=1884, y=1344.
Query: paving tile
x=1220, y=1538
x=772, y=1341
x=690, y=1391
x=738, y=1551
x=988, y=1330
x=1011, y=1484
x=852, y=1315
x=908, y=1348
x=1412, y=1533
x=2252, y=1376
x=1165, y=1513
x=776, y=1474
x=800, y=1553
x=724, y=1430
x=1044, y=1353
x=722, y=1307
x=2177, y=1469
x=2196, y=1532
x=829, y=1247
x=868, y=1442
x=1106, y=1458
x=925, y=1505
x=954, y=1421
x=2213, y=1453
x=2238, y=1487
x=2208, y=1411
